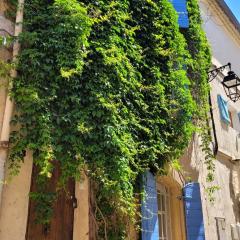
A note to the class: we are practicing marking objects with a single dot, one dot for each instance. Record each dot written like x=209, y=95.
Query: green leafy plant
x=108, y=85
x=201, y=56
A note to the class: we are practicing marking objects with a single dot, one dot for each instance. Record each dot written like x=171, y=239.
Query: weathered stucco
x=15, y=198
x=81, y=214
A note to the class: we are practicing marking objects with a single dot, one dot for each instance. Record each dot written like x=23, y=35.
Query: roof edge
x=229, y=14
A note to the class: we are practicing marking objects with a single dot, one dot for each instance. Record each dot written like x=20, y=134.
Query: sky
x=234, y=5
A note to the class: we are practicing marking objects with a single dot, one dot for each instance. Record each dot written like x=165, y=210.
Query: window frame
x=164, y=212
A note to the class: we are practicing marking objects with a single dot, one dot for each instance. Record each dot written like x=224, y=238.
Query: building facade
x=172, y=216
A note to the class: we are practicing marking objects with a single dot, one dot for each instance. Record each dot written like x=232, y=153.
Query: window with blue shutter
x=149, y=208
x=181, y=8
x=223, y=108
x=193, y=212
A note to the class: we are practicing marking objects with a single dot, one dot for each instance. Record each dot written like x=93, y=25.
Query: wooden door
x=61, y=226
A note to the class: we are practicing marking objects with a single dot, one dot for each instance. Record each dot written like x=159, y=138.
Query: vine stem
x=105, y=223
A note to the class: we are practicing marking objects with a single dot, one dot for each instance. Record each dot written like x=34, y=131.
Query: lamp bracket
x=213, y=73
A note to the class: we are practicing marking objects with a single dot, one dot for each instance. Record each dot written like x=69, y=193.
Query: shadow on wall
x=191, y=159
x=234, y=187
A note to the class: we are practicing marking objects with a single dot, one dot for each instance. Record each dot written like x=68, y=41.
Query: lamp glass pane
x=230, y=83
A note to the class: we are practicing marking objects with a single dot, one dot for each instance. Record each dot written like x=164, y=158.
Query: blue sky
x=235, y=7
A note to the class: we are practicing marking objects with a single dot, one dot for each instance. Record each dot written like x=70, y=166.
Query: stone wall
x=225, y=44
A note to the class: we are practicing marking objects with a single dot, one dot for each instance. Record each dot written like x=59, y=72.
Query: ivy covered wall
x=111, y=86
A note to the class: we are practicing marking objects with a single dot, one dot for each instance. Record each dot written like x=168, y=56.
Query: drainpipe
x=5, y=131
x=215, y=150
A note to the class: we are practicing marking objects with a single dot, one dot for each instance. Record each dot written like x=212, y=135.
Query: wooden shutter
x=223, y=109
x=61, y=226
x=149, y=208
x=193, y=212
x=181, y=8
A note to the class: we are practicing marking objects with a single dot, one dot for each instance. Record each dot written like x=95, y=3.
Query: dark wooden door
x=61, y=226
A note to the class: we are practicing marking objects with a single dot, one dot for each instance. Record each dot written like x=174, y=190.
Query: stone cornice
x=224, y=19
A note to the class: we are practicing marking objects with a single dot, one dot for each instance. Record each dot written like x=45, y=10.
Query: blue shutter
x=193, y=212
x=223, y=108
x=181, y=8
x=149, y=208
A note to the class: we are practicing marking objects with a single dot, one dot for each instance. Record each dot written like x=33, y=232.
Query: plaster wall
x=224, y=42
x=81, y=214
x=14, y=208
x=224, y=206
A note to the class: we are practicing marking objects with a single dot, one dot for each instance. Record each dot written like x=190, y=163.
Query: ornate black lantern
x=231, y=82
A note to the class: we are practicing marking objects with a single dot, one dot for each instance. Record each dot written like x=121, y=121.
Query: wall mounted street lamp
x=231, y=82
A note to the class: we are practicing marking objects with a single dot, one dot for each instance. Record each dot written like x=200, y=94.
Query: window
x=162, y=209
x=181, y=8
x=223, y=109
x=164, y=215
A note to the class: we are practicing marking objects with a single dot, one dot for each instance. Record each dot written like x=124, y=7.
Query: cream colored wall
x=81, y=214
x=15, y=198
x=226, y=203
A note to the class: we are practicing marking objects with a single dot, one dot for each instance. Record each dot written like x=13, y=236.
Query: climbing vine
x=111, y=86
x=201, y=56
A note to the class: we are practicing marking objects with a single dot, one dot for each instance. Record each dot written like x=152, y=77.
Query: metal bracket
x=213, y=73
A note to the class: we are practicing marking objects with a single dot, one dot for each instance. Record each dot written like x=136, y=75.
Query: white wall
x=224, y=48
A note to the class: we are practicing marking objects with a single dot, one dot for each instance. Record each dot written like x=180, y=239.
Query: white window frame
x=164, y=213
